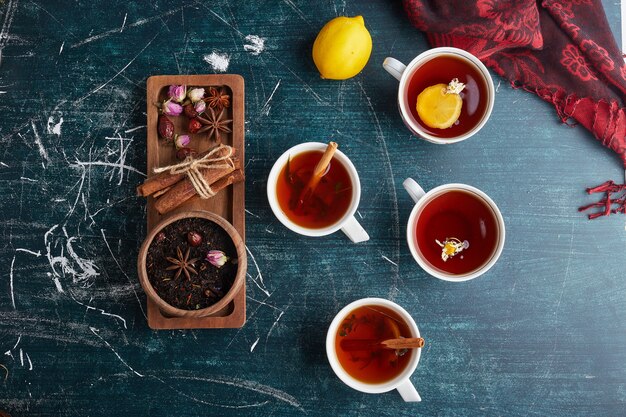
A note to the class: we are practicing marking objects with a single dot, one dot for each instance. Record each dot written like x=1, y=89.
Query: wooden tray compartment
x=229, y=203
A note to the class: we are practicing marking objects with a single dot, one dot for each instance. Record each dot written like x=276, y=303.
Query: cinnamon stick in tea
x=184, y=190
x=318, y=173
x=163, y=180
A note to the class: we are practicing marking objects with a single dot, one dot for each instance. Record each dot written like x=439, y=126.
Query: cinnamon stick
x=318, y=172
x=184, y=190
x=233, y=178
x=350, y=345
x=163, y=180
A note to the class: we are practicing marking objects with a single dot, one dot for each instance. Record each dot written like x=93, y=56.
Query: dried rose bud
x=182, y=141
x=160, y=237
x=184, y=153
x=195, y=94
x=171, y=109
x=194, y=126
x=165, y=128
x=177, y=92
x=194, y=239
x=190, y=111
x=200, y=107
x=216, y=258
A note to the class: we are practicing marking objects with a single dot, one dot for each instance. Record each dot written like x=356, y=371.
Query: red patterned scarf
x=563, y=51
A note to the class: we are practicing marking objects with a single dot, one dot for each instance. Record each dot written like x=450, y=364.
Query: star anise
x=217, y=99
x=182, y=264
x=214, y=123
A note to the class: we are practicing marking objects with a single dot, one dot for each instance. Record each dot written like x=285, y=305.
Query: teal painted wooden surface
x=542, y=333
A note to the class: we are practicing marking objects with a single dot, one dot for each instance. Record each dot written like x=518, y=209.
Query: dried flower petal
x=200, y=106
x=177, y=93
x=171, y=109
x=216, y=258
x=195, y=94
x=451, y=246
x=182, y=141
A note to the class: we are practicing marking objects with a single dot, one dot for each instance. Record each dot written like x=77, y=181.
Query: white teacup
x=404, y=73
x=402, y=382
x=347, y=224
x=421, y=199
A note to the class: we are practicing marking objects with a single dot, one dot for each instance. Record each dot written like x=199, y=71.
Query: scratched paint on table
x=73, y=329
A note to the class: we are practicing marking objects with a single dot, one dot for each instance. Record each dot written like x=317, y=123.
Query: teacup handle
x=408, y=392
x=415, y=191
x=394, y=67
x=353, y=229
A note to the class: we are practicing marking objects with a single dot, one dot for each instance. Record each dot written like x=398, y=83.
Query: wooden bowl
x=242, y=263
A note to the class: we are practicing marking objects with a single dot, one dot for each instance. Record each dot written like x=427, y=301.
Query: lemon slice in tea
x=439, y=106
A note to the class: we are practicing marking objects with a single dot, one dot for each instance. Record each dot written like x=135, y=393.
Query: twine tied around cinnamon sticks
x=191, y=167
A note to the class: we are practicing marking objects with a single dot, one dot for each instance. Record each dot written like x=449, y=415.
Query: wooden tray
x=229, y=203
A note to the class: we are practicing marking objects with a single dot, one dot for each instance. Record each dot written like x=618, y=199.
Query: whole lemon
x=342, y=48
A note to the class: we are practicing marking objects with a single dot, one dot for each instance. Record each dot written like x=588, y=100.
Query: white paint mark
x=307, y=87
x=123, y=272
x=6, y=25
x=498, y=86
x=251, y=386
x=4, y=165
x=18, y=341
x=28, y=179
x=254, y=344
x=119, y=165
x=124, y=22
x=273, y=325
x=21, y=357
x=110, y=32
x=297, y=10
x=11, y=284
x=118, y=73
x=134, y=128
x=109, y=164
x=589, y=376
x=104, y=313
x=219, y=62
x=224, y=21
x=54, y=128
x=61, y=48
x=259, y=275
x=198, y=400
x=266, y=107
x=95, y=331
x=251, y=213
x=264, y=303
x=42, y=150
x=8, y=353
x=359, y=213
x=37, y=254
x=389, y=260
x=88, y=268
x=255, y=44
x=30, y=363
x=395, y=216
